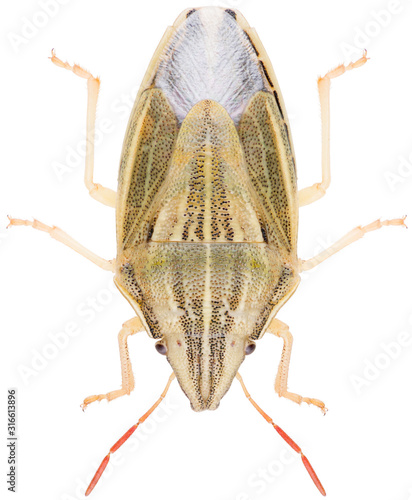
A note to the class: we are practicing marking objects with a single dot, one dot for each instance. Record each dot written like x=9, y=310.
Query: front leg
x=281, y=330
x=131, y=327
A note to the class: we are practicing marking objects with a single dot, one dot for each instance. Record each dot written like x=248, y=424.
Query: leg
x=129, y=328
x=104, y=195
x=59, y=235
x=315, y=192
x=125, y=437
x=281, y=330
x=354, y=235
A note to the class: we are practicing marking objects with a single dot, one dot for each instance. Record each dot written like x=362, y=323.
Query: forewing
x=147, y=150
x=271, y=166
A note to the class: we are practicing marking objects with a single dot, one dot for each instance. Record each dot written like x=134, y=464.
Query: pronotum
x=207, y=209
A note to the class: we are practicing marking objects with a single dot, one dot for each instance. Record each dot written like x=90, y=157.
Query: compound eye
x=161, y=348
x=250, y=348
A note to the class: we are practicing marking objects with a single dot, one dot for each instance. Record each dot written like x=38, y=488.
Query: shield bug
x=207, y=210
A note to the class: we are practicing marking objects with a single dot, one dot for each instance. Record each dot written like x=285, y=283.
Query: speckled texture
x=271, y=167
x=207, y=209
x=206, y=301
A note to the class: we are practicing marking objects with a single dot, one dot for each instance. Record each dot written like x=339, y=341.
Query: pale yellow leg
x=354, y=235
x=131, y=327
x=281, y=330
x=98, y=192
x=59, y=235
x=315, y=192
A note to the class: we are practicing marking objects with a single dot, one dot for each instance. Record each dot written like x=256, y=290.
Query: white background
x=340, y=316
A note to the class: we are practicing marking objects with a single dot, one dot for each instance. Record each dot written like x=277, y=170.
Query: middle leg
x=351, y=237
x=57, y=234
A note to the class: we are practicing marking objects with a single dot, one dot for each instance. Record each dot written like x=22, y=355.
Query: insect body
x=206, y=226
x=207, y=209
